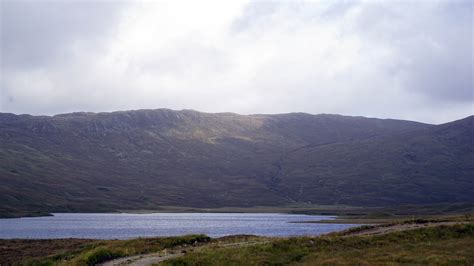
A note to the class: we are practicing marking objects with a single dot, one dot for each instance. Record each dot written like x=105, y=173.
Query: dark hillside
x=149, y=158
x=435, y=164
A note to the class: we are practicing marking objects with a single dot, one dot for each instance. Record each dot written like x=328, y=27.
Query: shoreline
x=342, y=214
x=292, y=209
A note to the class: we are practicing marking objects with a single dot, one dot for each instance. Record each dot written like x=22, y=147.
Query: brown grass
x=18, y=250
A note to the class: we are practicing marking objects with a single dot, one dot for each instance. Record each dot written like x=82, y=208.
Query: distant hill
x=149, y=158
x=424, y=166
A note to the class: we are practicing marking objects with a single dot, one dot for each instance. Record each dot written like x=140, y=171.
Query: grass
x=99, y=255
x=85, y=252
x=447, y=245
x=21, y=251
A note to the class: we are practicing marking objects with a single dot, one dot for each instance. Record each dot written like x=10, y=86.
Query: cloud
x=381, y=59
x=35, y=34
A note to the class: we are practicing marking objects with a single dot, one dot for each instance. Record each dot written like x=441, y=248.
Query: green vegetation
x=86, y=252
x=99, y=255
x=434, y=245
x=31, y=252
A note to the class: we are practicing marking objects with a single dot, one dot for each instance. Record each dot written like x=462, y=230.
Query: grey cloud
x=261, y=14
x=38, y=33
x=432, y=42
x=254, y=13
x=433, y=45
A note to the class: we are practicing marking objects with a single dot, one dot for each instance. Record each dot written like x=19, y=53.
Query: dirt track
x=143, y=260
x=155, y=258
x=384, y=229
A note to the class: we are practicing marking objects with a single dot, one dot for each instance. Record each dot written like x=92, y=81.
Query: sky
x=389, y=59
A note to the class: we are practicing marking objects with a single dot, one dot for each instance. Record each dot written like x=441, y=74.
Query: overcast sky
x=406, y=60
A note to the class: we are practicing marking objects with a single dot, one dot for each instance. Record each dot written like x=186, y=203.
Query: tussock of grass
x=99, y=255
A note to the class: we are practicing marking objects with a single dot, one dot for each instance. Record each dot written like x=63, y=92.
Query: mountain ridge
x=85, y=113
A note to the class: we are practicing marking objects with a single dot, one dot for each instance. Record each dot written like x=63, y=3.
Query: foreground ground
x=421, y=242
x=447, y=240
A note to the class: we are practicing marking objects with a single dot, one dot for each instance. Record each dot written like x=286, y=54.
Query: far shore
x=290, y=209
x=341, y=214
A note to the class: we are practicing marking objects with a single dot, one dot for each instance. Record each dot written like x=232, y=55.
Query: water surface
x=125, y=225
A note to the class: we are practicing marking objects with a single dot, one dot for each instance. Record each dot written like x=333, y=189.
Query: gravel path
x=143, y=260
x=384, y=229
x=155, y=258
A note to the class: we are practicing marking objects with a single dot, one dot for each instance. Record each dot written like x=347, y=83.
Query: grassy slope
x=84, y=252
x=22, y=251
x=435, y=245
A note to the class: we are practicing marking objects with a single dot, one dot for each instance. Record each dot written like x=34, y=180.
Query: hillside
x=424, y=166
x=150, y=158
